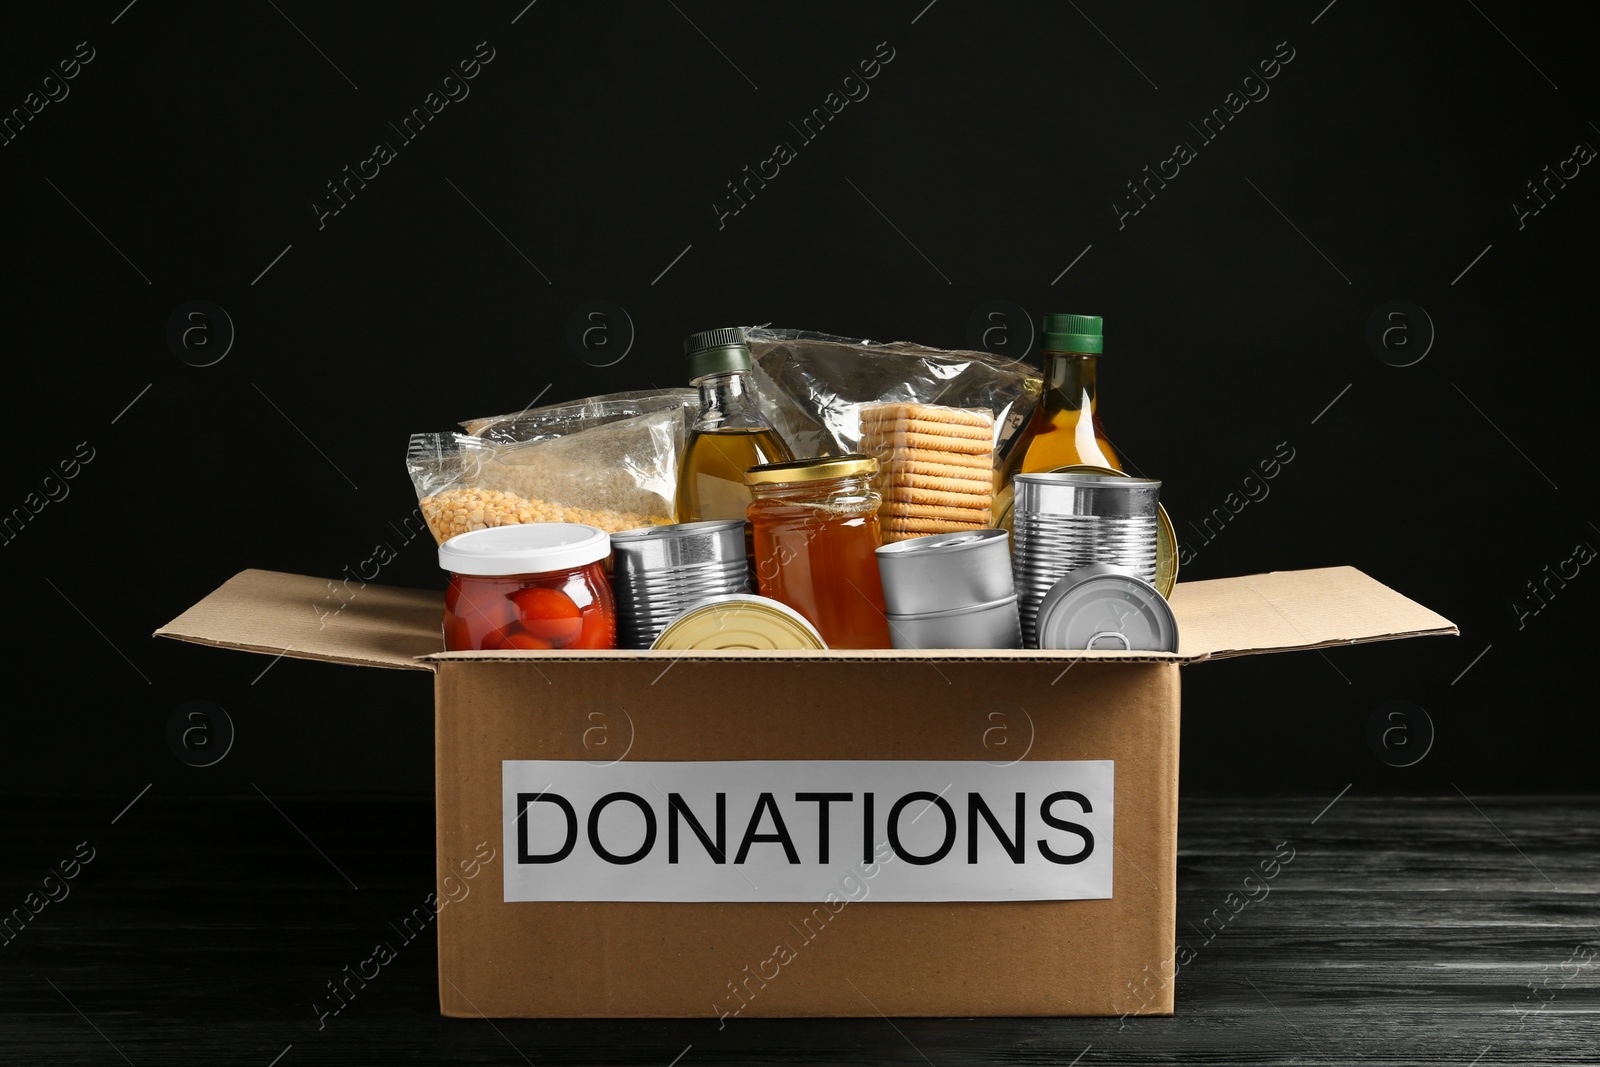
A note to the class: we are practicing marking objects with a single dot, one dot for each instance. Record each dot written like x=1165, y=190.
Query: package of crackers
x=813, y=387
x=935, y=467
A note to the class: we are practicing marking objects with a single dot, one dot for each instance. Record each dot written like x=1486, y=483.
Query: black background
x=190, y=150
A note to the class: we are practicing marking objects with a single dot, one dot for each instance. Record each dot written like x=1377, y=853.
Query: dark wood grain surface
x=1453, y=930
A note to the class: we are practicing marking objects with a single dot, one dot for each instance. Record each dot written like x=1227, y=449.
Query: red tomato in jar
x=481, y=603
x=497, y=638
x=520, y=639
x=548, y=614
x=599, y=629
x=457, y=634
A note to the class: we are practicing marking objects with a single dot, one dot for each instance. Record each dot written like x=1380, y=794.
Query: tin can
x=1105, y=607
x=660, y=571
x=740, y=621
x=1062, y=522
x=991, y=625
x=1166, y=534
x=945, y=572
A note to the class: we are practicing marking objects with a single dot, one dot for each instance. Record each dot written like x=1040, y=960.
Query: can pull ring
x=1111, y=635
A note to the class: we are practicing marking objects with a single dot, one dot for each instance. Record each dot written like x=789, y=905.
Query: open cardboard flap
x=300, y=617
x=1288, y=610
x=380, y=626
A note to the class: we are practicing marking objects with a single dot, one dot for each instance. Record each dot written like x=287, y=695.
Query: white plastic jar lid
x=525, y=548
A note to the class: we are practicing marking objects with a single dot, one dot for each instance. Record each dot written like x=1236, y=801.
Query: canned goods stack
x=661, y=571
x=1063, y=522
x=950, y=590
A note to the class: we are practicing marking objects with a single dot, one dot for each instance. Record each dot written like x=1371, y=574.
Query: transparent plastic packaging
x=812, y=387
x=559, y=420
x=609, y=462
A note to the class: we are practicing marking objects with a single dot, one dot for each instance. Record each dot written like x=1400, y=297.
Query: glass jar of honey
x=816, y=537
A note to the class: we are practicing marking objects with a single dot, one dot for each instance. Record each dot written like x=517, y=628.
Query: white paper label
x=802, y=830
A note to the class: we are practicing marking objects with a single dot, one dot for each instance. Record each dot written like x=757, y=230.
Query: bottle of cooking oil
x=1071, y=433
x=728, y=436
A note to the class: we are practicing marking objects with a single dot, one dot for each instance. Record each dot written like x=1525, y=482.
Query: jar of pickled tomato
x=539, y=585
x=816, y=536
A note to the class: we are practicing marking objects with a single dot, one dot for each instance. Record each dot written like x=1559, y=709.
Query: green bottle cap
x=716, y=352
x=1073, y=333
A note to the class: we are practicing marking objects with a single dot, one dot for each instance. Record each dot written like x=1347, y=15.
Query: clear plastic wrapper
x=812, y=386
x=592, y=462
x=558, y=420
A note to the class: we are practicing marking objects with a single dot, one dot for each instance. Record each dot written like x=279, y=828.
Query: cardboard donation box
x=806, y=833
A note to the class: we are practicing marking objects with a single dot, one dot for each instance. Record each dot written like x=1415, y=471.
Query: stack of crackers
x=935, y=467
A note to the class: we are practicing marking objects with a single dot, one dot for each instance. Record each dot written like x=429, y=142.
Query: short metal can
x=945, y=572
x=740, y=621
x=992, y=625
x=1105, y=607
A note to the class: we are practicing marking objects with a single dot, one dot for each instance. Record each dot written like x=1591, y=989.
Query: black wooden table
x=1452, y=930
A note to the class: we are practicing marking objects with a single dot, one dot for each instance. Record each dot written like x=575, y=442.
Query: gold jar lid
x=819, y=469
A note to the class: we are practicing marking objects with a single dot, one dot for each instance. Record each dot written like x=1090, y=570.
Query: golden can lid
x=817, y=469
x=740, y=621
x=1166, y=536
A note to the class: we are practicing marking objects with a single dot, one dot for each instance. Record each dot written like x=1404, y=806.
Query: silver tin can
x=1062, y=522
x=660, y=571
x=1105, y=607
x=991, y=625
x=943, y=572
